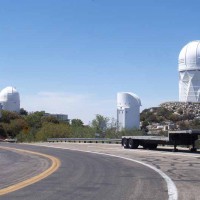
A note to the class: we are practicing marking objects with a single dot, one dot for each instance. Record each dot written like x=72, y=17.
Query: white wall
x=128, y=111
x=189, y=86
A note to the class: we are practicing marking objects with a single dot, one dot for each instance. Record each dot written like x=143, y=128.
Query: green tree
x=76, y=123
x=152, y=118
x=100, y=123
x=7, y=116
x=82, y=132
x=2, y=132
x=34, y=119
x=14, y=127
x=50, y=119
x=164, y=112
x=23, y=111
x=144, y=125
x=50, y=130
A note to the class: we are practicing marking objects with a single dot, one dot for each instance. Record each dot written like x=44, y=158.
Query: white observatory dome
x=128, y=110
x=9, y=98
x=189, y=57
x=128, y=99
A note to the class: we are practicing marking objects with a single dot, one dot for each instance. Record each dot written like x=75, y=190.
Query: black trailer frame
x=182, y=137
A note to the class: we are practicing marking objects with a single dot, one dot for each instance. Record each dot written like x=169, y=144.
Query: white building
x=60, y=117
x=128, y=111
x=189, y=72
x=9, y=99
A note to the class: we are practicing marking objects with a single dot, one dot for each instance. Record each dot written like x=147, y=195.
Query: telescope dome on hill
x=189, y=72
x=9, y=99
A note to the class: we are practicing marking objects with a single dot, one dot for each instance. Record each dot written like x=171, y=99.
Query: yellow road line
x=55, y=165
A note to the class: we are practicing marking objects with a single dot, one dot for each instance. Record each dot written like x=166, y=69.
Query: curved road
x=19, y=166
x=84, y=176
x=182, y=167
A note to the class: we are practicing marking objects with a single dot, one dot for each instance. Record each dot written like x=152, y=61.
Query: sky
x=73, y=56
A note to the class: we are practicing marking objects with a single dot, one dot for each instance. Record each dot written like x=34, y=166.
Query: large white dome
x=10, y=100
x=189, y=57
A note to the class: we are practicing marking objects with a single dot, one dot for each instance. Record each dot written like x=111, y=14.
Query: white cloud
x=82, y=106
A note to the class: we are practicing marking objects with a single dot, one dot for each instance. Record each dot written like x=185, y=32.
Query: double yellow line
x=54, y=166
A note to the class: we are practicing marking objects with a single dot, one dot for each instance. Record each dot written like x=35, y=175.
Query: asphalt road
x=84, y=176
x=19, y=166
x=182, y=167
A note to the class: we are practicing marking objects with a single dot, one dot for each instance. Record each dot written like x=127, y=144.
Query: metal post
x=175, y=145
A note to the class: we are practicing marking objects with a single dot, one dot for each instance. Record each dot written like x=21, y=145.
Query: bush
x=82, y=132
x=50, y=130
x=7, y=116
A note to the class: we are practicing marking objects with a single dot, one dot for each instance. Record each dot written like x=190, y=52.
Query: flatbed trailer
x=182, y=137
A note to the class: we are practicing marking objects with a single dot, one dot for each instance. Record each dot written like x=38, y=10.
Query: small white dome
x=6, y=92
x=10, y=100
x=189, y=57
x=128, y=99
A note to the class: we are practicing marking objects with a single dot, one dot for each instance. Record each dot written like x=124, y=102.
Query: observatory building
x=128, y=111
x=9, y=99
x=189, y=72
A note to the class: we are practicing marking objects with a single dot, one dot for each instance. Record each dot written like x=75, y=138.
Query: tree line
x=37, y=126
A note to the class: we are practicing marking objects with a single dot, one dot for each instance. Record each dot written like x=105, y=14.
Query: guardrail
x=85, y=140
x=10, y=140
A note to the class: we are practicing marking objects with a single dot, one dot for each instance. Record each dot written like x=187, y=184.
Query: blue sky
x=73, y=56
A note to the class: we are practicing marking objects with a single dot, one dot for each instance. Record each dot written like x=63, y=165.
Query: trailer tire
x=133, y=144
x=122, y=142
x=193, y=149
x=126, y=143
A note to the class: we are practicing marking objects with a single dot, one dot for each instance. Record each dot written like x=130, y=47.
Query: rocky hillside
x=171, y=111
x=183, y=108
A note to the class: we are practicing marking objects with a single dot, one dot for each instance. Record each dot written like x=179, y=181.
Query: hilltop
x=181, y=114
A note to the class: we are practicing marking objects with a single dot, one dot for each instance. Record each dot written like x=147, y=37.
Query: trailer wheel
x=122, y=142
x=193, y=149
x=133, y=144
x=126, y=143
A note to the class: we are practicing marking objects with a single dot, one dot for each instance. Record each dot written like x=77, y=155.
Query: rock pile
x=183, y=108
